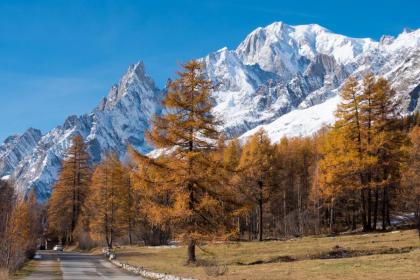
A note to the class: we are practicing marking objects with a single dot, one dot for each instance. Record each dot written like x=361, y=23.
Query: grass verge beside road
x=392, y=255
x=45, y=269
x=26, y=270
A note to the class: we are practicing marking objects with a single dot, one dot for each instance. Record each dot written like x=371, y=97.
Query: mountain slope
x=17, y=147
x=120, y=119
x=280, y=68
x=282, y=78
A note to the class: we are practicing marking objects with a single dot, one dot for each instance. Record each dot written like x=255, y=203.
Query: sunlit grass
x=379, y=255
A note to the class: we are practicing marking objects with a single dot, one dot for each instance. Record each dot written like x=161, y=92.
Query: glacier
x=281, y=78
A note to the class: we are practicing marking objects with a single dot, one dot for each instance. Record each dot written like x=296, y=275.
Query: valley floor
x=392, y=255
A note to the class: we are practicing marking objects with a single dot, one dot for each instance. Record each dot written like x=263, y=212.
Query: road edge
x=138, y=270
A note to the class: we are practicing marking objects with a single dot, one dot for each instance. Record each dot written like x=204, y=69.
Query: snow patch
x=5, y=178
x=304, y=122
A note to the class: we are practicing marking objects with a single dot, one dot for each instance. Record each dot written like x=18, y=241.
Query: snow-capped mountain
x=281, y=68
x=120, y=119
x=282, y=78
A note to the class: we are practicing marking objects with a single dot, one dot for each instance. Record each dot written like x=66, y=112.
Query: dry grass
x=394, y=255
x=376, y=267
x=26, y=270
x=4, y=274
x=34, y=269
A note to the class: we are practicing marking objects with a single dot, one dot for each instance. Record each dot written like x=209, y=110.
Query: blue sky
x=60, y=57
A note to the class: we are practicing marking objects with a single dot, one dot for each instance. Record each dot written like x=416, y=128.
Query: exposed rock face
x=16, y=147
x=282, y=78
x=119, y=120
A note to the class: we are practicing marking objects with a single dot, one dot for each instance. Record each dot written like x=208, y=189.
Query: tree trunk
x=388, y=218
x=239, y=229
x=375, y=213
x=111, y=237
x=248, y=221
x=284, y=213
x=191, y=252
x=418, y=220
x=260, y=208
x=130, y=219
x=318, y=217
x=369, y=222
x=107, y=240
x=354, y=223
x=260, y=222
x=130, y=240
x=363, y=204
x=384, y=209
x=130, y=230
x=332, y=215
x=300, y=227
x=9, y=254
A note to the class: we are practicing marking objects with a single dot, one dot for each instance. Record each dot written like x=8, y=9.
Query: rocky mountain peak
x=282, y=78
x=134, y=81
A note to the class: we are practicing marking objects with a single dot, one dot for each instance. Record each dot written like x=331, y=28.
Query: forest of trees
x=203, y=187
x=20, y=227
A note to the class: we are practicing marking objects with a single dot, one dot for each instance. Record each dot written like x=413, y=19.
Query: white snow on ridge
x=281, y=78
x=278, y=46
x=304, y=122
x=5, y=178
x=281, y=67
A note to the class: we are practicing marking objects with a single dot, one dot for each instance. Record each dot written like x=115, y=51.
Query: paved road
x=76, y=266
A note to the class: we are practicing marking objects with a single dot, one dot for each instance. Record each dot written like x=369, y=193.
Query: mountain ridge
x=274, y=79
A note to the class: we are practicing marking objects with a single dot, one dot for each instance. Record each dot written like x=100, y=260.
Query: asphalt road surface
x=76, y=266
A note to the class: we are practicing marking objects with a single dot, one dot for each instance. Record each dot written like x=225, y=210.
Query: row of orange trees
x=200, y=186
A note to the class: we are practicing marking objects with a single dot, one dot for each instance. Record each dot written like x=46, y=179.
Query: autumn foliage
x=201, y=186
x=69, y=193
x=188, y=195
x=20, y=227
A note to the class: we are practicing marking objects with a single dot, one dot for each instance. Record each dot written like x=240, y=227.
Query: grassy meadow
x=391, y=255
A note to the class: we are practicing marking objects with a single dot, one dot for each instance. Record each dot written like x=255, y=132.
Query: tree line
x=199, y=186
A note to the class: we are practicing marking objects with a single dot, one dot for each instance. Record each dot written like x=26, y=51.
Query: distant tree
x=20, y=233
x=301, y=156
x=130, y=206
x=153, y=185
x=229, y=156
x=387, y=142
x=411, y=177
x=7, y=199
x=350, y=126
x=255, y=167
x=70, y=191
x=232, y=155
x=363, y=150
x=338, y=172
x=107, y=199
x=367, y=120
